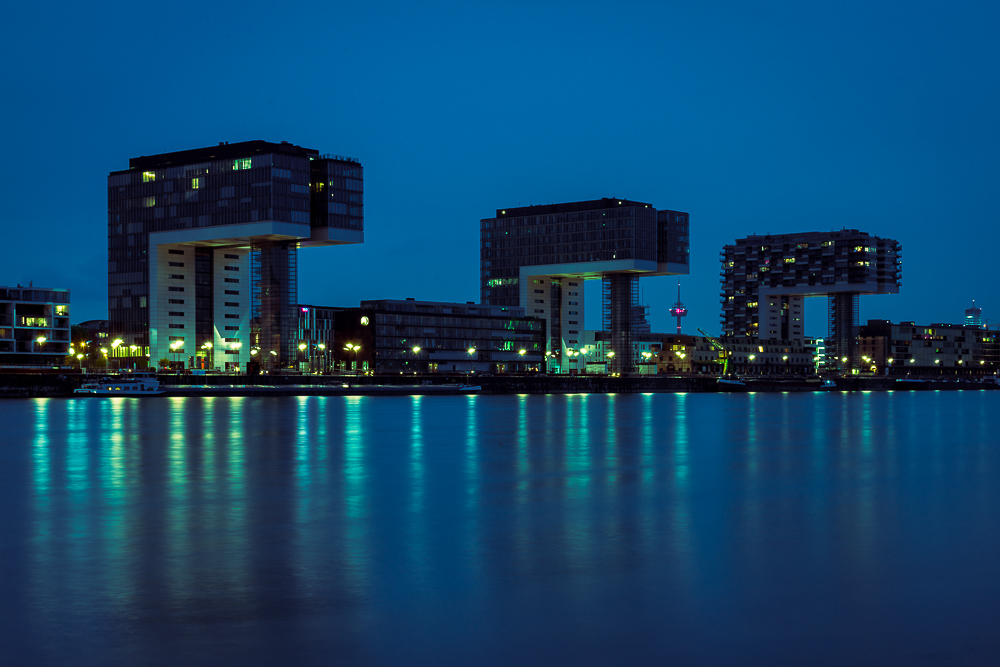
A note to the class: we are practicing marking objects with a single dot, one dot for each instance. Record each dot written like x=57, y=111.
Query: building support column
x=843, y=331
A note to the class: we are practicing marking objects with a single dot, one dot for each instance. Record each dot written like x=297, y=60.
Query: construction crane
x=718, y=346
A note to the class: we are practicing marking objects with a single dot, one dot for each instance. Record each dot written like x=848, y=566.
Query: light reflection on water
x=762, y=528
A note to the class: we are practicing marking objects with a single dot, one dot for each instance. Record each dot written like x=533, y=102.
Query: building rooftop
x=34, y=294
x=807, y=236
x=469, y=307
x=223, y=151
x=568, y=207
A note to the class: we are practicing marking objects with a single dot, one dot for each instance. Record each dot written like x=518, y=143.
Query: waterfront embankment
x=50, y=385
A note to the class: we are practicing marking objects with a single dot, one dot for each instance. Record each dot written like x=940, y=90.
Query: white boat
x=828, y=385
x=469, y=387
x=139, y=385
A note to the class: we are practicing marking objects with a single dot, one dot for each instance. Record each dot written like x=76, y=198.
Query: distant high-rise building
x=538, y=257
x=202, y=249
x=765, y=279
x=973, y=316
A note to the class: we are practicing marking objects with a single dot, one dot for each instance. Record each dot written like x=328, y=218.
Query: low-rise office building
x=413, y=336
x=928, y=350
x=34, y=326
x=410, y=336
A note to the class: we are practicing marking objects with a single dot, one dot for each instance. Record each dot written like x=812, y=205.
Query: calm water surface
x=759, y=529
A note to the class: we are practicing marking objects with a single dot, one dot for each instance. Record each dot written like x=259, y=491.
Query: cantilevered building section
x=202, y=248
x=538, y=257
x=765, y=279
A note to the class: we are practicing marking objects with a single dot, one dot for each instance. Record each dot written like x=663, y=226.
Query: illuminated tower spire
x=678, y=310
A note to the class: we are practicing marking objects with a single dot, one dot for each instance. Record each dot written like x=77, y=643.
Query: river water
x=760, y=529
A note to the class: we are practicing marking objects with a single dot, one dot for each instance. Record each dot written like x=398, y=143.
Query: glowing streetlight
x=236, y=346
x=175, y=346
x=352, y=347
x=416, y=349
x=322, y=349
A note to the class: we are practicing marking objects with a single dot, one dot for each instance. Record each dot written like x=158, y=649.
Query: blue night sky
x=754, y=117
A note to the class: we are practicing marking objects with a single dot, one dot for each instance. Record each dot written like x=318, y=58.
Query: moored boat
x=139, y=385
x=730, y=383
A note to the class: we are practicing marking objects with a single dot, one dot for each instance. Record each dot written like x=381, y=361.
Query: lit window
x=149, y=201
x=148, y=176
x=241, y=163
x=194, y=184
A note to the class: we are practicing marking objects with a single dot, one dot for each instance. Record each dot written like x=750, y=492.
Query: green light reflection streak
x=357, y=549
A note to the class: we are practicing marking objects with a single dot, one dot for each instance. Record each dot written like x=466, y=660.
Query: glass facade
x=338, y=196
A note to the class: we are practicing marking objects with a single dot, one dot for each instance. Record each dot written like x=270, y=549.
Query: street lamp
x=175, y=346
x=611, y=357
x=322, y=349
x=115, y=344
x=207, y=346
x=236, y=346
x=351, y=347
